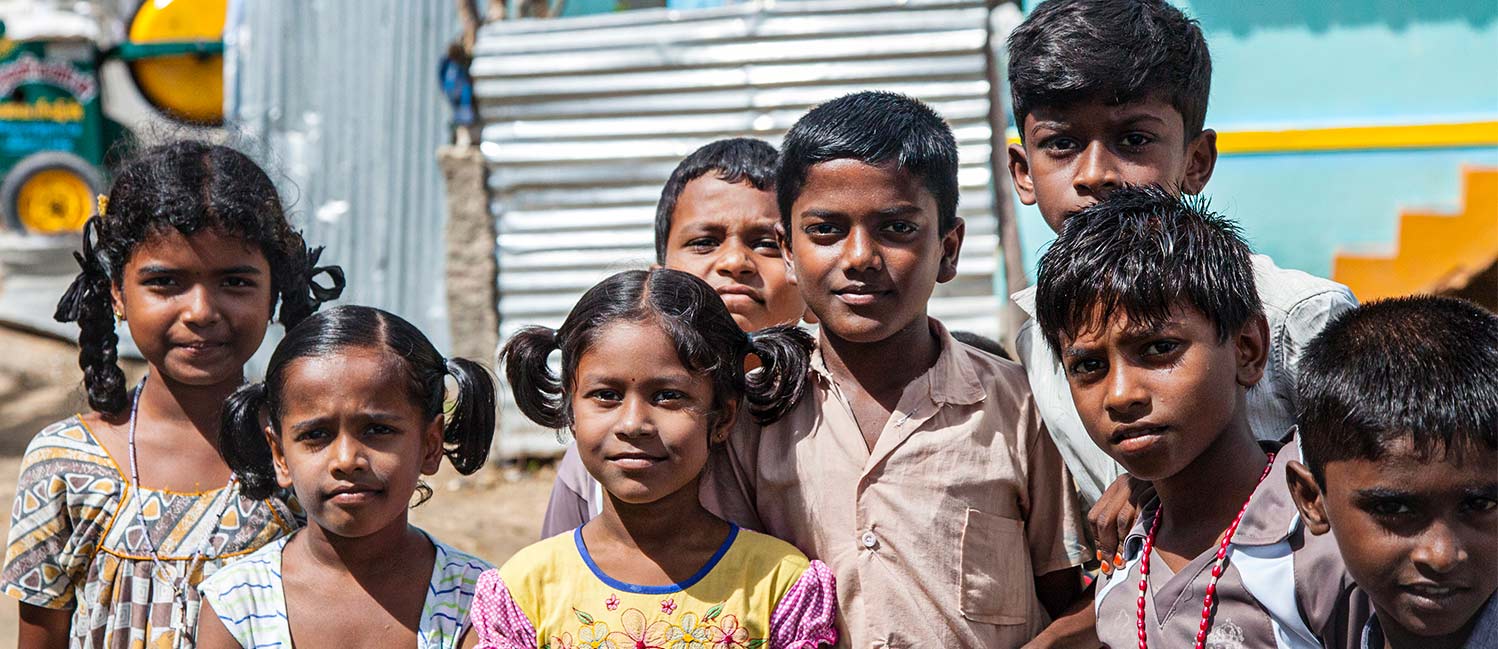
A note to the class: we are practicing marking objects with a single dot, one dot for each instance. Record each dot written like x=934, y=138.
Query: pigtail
x=302, y=295
x=538, y=390
x=88, y=302
x=784, y=354
x=469, y=427
x=242, y=442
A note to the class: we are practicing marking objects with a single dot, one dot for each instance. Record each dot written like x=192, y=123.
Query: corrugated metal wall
x=342, y=98
x=586, y=117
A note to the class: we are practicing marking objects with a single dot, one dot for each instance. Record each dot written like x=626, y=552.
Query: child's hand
x=1113, y=516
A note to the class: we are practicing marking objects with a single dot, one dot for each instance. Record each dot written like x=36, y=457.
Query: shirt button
x=869, y=541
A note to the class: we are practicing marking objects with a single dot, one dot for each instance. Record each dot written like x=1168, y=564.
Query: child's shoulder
x=454, y=560
x=991, y=371
x=761, y=552
x=1283, y=289
x=254, y=570
x=69, y=442
x=540, y=557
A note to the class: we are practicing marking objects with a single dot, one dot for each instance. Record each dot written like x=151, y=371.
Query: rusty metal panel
x=584, y=119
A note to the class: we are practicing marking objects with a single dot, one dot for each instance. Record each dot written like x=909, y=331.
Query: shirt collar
x=1025, y=300
x=1484, y=633
x=953, y=379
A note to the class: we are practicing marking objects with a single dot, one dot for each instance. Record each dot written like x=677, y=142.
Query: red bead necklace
x=1222, y=554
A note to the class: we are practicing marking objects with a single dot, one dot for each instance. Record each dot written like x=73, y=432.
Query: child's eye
x=702, y=243
x=1059, y=144
x=605, y=395
x=669, y=395
x=900, y=227
x=1388, y=508
x=769, y=245
x=160, y=280
x=1480, y=505
x=1161, y=347
x=239, y=282
x=1086, y=366
x=1136, y=140
x=379, y=429
x=314, y=435
x=821, y=229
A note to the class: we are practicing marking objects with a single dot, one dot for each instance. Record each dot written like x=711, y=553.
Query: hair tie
x=70, y=307
x=319, y=293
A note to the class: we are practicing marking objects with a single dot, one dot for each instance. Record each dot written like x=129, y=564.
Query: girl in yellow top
x=652, y=376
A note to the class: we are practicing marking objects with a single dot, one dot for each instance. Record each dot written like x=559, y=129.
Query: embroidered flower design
x=668, y=606
x=595, y=636
x=563, y=641
x=612, y=602
x=728, y=634
x=638, y=632
x=687, y=634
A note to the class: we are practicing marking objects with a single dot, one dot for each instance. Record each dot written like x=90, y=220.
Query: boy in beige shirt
x=916, y=467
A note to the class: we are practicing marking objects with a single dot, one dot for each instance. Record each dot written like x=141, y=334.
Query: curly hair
x=189, y=186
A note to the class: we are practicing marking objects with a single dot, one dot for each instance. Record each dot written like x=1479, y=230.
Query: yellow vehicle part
x=53, y=201
x=187, y=86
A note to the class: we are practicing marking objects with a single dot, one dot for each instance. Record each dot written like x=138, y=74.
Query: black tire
x=10, y=188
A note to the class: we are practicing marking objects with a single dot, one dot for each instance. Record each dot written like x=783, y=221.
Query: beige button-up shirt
x=937, y=535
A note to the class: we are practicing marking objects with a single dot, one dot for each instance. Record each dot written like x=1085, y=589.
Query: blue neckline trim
x=582, y=549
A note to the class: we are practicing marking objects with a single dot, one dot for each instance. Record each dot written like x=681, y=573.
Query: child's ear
x=724, y=423
x=1201, y=159
x=431, y=446
x=951, y=247
x=1253, y=351
x=117, y=301
x=1019, y=170
x=278, y=457
x=1308, y=497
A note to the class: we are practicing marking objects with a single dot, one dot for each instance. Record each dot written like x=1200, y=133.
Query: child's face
x=724, y=233
x=1073, y=156
x=197, y=306
x=642, y=420
x=352, y=443
x=866, y=250
x=1156, y=399
x=1420, y=536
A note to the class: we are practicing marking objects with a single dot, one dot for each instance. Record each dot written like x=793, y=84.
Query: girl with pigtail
x=652, y=381
x=120, y=512
x=350, y=416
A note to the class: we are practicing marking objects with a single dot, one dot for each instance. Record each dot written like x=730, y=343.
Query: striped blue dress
x=247, y=595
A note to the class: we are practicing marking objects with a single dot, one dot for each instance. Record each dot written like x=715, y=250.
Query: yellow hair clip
x=103, y=203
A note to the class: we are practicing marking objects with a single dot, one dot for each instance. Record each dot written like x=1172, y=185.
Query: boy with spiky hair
x=915, y=466
x=716, y=220
x=1150, y=304
x=1399, y=426
x=1109, y=93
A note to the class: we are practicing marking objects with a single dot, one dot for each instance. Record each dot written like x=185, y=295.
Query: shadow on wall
x=1243, y=18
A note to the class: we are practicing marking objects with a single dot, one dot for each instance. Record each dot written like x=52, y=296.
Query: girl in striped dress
x=122, y=511
x=355, y=399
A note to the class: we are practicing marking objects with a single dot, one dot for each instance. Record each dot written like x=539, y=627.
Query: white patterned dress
x=250, y=599
x=77, y=542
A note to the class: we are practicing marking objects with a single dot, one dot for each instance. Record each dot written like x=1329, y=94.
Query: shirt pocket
x=996, y=583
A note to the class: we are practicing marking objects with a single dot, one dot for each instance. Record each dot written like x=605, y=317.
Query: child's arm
x=212, y=634
x=1069, y=602
x=44, y=628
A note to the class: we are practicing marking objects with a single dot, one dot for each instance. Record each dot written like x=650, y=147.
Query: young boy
x=716, y=220
x=1110, y=93
x=1400, y=435
x=1151, y=306
x=916, y=467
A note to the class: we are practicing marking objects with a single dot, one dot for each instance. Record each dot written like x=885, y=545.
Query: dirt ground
x=492, y=513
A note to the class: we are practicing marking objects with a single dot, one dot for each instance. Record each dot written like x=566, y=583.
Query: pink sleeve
x=806, y=617
x=496, y=618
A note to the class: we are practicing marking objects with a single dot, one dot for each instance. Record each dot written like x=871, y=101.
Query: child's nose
x=1439, y=549
x=861, y=252
x=734, y=260
x=201, y=308
x=346, y=456
x=1096, y=172
x=1125, y=394
x=634, y=419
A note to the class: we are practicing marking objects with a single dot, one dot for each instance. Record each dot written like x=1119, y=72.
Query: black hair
x=982, y=343
x=1421, y=368
x=467, y=430
x=873, y=127
x=189, y=186
x=1144, y=252
x=707, y=341
x=1116, y=51
x=733, y=160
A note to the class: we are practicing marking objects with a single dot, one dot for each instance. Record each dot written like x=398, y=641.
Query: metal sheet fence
x=584, y=119
x=341, y=97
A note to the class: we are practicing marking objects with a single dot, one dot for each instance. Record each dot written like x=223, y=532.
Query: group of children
x=1312, y=472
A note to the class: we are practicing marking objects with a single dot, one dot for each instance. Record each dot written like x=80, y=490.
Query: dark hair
x=189, y=186
x=707, y=341
x=874, y=128
x=1143, y=252
x=466, y=433
x=982, y=343
x=1422, y=368
x=1116, y=51
x=734, y=160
